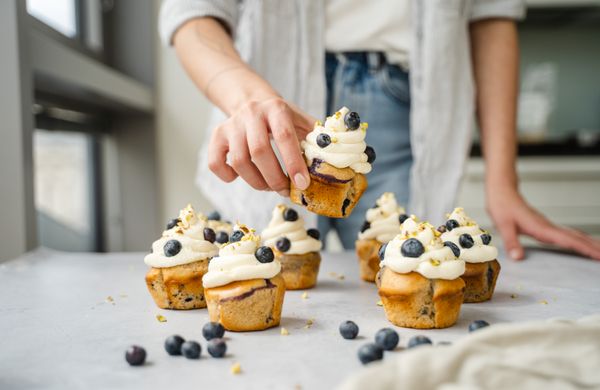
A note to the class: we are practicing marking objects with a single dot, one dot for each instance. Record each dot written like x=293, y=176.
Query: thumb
x=512, y=246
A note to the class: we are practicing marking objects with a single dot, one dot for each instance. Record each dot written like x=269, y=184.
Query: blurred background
x=101, y=127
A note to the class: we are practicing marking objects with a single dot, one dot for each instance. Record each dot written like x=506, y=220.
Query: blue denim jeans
x=380, y=93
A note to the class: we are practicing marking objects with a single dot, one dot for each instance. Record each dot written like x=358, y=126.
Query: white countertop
x=59, y=331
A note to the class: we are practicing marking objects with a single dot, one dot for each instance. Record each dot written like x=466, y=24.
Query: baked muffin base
x=247, y=305
x=179, y=287
x=300, y=271
x=480, y=280
x=368, y=258
x=413, y=301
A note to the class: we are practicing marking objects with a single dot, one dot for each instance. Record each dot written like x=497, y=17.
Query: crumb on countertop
x=236, y=368
x=161, y=318
x=284, y=332
x=304, y=295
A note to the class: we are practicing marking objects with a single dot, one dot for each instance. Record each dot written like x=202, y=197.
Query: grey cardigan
x=284, y=42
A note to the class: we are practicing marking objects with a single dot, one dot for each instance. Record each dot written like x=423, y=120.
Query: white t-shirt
x=369, y=25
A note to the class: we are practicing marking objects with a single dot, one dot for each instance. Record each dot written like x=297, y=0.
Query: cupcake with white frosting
x=244, y=288
x=179, y=259
x=419, y=282
x=382, y=223
x=473, y=245
x=338, y=159
x=294, y=246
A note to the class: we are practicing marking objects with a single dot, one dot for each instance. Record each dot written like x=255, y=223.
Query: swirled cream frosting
x=383, y=220
x=477, y=249
x=295, y=231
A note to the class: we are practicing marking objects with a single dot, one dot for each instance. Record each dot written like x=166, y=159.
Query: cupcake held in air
x=243, y=286
x=337, y=159
x=381, y=225
x=482, y=266
x=419, y=282
x=178, y=260
x=295, y=247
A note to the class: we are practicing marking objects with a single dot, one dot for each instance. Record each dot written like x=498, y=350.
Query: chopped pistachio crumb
x=544, y=302
x=435, y=262
x=304, y=295
x=309, y=323
x=161, y=318
x=109, y=299
x=236, y=368
x=284, y=332
x=379, y=303
x=514, y=296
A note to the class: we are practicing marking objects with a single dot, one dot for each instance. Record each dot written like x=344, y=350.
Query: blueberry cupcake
x=244, y=288
x=178, y=261
x=419, y=282
x=381, y=225
x=474, y=247
x=295, y=247
x=337, y=159
x=223, y=229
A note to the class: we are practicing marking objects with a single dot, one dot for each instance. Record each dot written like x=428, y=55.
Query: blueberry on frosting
x=451, y=224
x=172, y=223
x=214, y=216
x=290, y=215
x=236, y=236
x=370, y=152
x=352, y=120
x=466, y=240
x=222, y=237
x=172, y=248
x=402, y=218
x=314, y=233
x=283, y=244
x=366, y=225
x=209, y=235
x=323, y=140
x=455, y=249
x=412, y=248
x=264, y=254
x=486, y=239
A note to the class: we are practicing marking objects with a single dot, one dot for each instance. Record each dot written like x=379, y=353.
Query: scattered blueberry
x=172, y=248
x=264, y=254
x=455, y=249
x=387, y=338
x=418, y=340
x=366, y=225
x=214, y=216
x=173, y=345
x=382, y=251
x=283, y=244
x=209, y=235
x=370, y=152
x=412, y=248
x=222, y=237
x=465, y=240
x=323, y=140
x=475, y=325
x=236, y=236
x=352, y=120
x=402, y=218
x=217, y=348
x=290, y=215
x=314, y=233
x=369, y=353
x=451, y=224
x=191, y=350
x=135, y=355
x=213, y=330
x=172, y=223
x=348, y=330
x=486, y=238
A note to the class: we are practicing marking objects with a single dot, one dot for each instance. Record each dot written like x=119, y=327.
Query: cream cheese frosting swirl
x=237, y=261
x=294, y=230
x=383, y=220
x=347, y=147
x=189, y=233
x=436, y=261
x=479, y=249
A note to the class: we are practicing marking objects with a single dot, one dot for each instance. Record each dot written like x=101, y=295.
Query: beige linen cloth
x=548, y=355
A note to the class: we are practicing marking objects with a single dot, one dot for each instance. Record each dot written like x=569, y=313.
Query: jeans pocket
x=394, y=82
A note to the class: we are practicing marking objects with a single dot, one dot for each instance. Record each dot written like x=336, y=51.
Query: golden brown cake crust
x=480, y=280
x=178, y=287
x=247, y=305
x=413, y=301
x=368, y=258
x=300, y=271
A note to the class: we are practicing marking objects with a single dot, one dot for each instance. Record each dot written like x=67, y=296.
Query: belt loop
x=341, y=58
x=375, y=60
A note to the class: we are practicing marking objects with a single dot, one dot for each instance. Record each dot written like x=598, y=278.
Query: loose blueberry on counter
x=475, y=325
x=213, y=330
x=369, y=353
x=418, y=340
x=209, y=235
x=222, y=237
x=172, y=223
x=264, y=254
x=135, y=355
x=214, y=216
x=352, y=120
x=466, y=241
x=412, y=248
x=455, y=249
x=217, y=348
x=191, y=350
x=387, y=338
x=348, y=330
x=486, y=239
x=172, y=248
x=314, y=233
x=236, y=236
x=366, y=225
x=283, y=244
x=402, y=218
x=323, y=140
x=371, y=156
x=290, y=215
x=451, y=224
x=382, y=251
x=173, y=345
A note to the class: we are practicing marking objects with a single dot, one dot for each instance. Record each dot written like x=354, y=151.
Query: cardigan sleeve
x=484, y=9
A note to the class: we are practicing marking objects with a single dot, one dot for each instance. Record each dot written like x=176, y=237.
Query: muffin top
x=287, y=234
x=418, y=248
x=474, y=242
x=340, y=142
x=383, y=221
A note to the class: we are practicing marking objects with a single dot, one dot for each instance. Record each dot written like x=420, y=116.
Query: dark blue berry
x=348, y=330
x=209, y=235
x=412, y=248
x=314, y=233
x=451, y=224
x=369, y=353
x=191, y=350
x=213, y=330
x=172, y=223
x=323, y=140
x=264, y=254
x=370, y=152
x=173, y=345
x=402, y=218
x=475, y=325
x=387, y=338
x=466, y=241
x=455, y=249
x=222, y=237
x=236, y=236
x=217, y=348
x=283, y=244
x=486, y=239
x=366, y=225
x=290, y=215
x=418, y=340
x=214, y=216
x=135, y=355
x=352, y=120
x=172, y=248
x=382, y=251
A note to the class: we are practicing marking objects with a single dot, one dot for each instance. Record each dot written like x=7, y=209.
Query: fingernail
x=301, y=181
x=515, y=254
x=284, y=193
